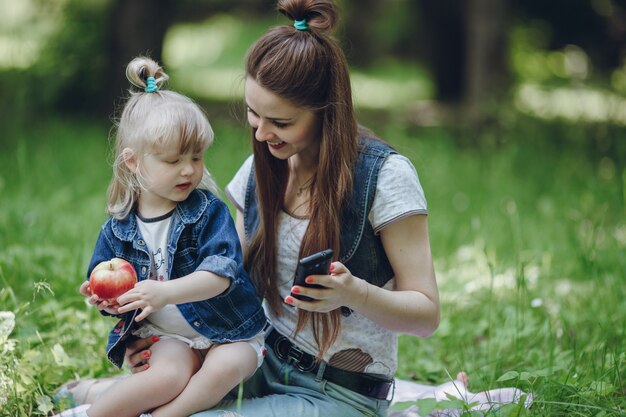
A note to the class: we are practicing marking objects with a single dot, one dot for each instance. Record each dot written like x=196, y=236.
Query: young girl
x=193, y=293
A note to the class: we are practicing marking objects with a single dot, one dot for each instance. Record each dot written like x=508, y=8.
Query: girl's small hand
x=340, y=289
x=148, y=295
x=85, y=289
x=93, y=299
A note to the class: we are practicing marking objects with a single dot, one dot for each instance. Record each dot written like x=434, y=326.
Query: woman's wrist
x=361, y=294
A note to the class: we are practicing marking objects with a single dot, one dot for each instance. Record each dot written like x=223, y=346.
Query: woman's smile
x=276, y=144
x=286, y=128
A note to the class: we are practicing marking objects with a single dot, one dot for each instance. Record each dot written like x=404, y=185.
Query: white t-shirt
x=168, y=321
x=362, y=346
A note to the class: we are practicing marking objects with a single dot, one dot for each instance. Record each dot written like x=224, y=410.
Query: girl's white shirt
x=363, y=345
x=169, y=321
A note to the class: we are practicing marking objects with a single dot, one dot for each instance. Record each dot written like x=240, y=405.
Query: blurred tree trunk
x=137, y=27
x=486, y=69
x=359, y=41
x=466, y=49
x=442, y=33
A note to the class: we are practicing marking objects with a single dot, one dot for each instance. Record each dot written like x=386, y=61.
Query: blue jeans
x=278, y=389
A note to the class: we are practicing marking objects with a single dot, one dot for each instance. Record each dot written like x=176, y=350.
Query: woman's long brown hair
x=309, y=69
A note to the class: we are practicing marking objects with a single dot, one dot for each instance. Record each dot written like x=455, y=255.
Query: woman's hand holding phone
x=322, y=286
x=316, y=264
x=326, y=291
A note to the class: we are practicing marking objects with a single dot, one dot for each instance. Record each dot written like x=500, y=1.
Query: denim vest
x=361, y=250
x=202, y=237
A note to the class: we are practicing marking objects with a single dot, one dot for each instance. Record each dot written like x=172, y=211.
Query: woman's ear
x=130, y=159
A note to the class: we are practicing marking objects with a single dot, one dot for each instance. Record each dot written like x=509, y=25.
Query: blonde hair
x=152, y=120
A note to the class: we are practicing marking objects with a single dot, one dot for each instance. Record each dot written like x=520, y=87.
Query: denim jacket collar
x=188, y=212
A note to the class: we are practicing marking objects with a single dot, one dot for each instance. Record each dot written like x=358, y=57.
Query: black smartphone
x=316, y=264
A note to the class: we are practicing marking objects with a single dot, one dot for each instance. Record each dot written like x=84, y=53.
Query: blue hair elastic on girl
x=300, y=24
x=151, y=85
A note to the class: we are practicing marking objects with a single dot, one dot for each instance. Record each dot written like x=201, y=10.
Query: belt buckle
x=298, y=356
x=281, y=346
x=287, y=351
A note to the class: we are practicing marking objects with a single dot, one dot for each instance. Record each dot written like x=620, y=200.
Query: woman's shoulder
x=397, y=171
x=236, y=188
x=399, y=192
x=399, y=163
x=246, y=166
x=370, y=144
x=243, y=173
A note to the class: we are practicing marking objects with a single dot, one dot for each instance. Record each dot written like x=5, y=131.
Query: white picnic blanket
x=450, y=399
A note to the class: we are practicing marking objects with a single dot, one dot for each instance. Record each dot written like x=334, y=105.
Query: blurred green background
x=557, y=59
x=513, y=113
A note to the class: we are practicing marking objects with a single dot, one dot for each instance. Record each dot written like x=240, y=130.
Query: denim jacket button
x=141, y=242
x=196, y=323
x=143, y=270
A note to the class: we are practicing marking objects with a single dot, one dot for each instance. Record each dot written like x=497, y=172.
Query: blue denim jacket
x=361, y=249
x=202, y=237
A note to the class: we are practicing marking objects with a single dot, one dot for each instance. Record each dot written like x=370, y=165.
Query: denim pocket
x=370, y=407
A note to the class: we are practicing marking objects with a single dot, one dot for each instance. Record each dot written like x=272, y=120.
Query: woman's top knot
x=300, y=24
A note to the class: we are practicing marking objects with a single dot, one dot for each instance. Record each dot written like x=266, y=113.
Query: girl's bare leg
x=224, y=367
x=171, y=366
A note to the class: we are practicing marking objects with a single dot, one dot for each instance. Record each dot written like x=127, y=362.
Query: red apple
x=110, y=279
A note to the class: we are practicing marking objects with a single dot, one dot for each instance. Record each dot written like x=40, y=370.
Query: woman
x=317, y=181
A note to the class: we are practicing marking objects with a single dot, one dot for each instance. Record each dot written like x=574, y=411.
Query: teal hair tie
x=300, y=24
x=151, y=85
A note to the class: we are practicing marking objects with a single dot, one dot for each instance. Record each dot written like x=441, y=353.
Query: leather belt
x=366, y=384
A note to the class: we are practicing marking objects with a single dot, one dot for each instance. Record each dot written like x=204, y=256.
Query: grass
x=528, y=233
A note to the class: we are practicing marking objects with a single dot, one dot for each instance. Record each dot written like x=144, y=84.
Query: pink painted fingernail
x=155, y=339
x=295, y=290
x=146, y=354
x=289, y=300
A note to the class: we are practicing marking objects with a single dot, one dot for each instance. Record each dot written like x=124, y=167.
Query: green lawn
x=528, y=233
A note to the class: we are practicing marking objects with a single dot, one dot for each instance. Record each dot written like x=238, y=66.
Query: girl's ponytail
x=140, y=69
